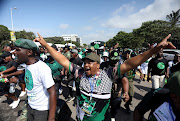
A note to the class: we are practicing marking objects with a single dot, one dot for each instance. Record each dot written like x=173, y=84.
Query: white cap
x=105, y=54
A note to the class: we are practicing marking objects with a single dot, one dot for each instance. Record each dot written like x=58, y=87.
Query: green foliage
x=84, y=45
x=54, y=40
x=155, y=31
x=126, y=40
x=4, y=36
x=25, y=35
x=110, y=43
x=4, y=33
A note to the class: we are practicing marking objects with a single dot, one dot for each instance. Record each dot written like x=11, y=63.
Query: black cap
x=6, y=54
x=54, y=46
x=114, y=55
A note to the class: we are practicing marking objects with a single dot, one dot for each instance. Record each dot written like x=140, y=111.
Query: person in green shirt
x=56, y=71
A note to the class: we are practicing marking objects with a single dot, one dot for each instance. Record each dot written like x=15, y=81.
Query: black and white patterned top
x=102, y=81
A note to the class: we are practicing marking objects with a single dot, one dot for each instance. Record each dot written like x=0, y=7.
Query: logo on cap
x=18, y=41
x=115, y=54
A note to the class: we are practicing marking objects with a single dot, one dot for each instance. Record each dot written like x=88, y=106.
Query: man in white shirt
x=39, y=82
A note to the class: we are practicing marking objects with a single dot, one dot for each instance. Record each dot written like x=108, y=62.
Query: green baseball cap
x=174, y=83
x=92, y=56
x=26, y=44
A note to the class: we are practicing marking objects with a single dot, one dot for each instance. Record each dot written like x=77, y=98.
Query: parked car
x=169, y=53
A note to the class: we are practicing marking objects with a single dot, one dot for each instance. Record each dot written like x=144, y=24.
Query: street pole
x=12, y=18
x=12, y=33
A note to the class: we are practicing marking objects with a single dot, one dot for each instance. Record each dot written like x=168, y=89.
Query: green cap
x=26, y=44
x=174, y=83
x=92, y=56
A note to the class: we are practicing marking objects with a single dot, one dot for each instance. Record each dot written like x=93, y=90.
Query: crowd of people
x=96, y=80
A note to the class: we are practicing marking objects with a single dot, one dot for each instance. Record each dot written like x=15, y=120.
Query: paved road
x=8, y=114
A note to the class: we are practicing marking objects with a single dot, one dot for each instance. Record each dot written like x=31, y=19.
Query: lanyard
x=91, y=85
x=170, y=110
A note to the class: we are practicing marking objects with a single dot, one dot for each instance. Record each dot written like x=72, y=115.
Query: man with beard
x=93, y=84
x=39, y=82
x=158, y=68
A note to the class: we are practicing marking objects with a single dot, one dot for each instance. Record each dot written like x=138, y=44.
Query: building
x=72, y=37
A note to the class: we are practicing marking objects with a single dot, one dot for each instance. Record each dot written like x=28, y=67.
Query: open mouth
x=87, y=70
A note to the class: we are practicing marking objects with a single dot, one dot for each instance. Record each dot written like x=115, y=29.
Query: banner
x=13, y=37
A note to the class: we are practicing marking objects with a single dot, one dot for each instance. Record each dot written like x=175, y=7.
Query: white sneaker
x=22, y=93
x=11, y=104
x=16, y=103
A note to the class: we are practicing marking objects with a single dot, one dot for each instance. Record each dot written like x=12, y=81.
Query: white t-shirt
x=38, y=79
x=170, y=64
x=144, y=66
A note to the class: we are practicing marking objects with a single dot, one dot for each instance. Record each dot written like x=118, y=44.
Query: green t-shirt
x=55, y=67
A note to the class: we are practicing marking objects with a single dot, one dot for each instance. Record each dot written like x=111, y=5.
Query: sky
x=89, y=19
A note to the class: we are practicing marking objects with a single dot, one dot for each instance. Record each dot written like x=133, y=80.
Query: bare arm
x=125, y=86
x=52, y=103
x=14, y=73
x=139, y=59
x=8, y=70
x=61, y=59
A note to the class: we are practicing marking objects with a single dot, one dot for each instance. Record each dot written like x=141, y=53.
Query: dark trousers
x=35, y=115
x=115, y=105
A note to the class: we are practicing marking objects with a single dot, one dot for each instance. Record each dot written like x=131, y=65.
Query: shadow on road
x=147, y=89
x=138, y=96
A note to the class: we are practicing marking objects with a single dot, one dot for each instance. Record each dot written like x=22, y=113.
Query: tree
x=84, y=45
x=126, y=40
x=110, y=43
x=55, y=40
x=153, y=31
x=174, y=18
x=4, y=36
x=25, y=35
x=4, y=33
